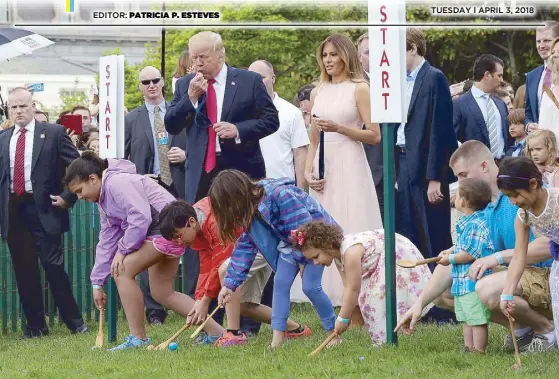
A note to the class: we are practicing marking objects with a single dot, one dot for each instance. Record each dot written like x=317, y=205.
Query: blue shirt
x=500, y=221
x=151, y=114
x=482, y=99
x=474, y=238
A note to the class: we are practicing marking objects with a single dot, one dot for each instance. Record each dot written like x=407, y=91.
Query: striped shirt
x=473, y=237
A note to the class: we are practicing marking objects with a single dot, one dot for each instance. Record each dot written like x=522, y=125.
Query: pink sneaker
x=229, y=339
x=305, y=333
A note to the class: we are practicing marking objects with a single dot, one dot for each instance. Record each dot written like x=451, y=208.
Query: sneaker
x=205, y=339
x=540, y=343
x=522, y=341
x=229, y=339
x=82, y=329
x=131, y=342
x=305, y=333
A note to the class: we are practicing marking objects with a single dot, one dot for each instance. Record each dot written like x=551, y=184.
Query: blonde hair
x=550, y=142
x=183, y=65
x=347, y=52
x=6, y=124
x=554, y=65
x=211, y=40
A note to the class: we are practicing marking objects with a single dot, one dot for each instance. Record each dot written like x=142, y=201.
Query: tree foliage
x=75, y=97
x=292, y=50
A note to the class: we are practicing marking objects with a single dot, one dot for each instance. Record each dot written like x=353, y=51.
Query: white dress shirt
x=28, y=160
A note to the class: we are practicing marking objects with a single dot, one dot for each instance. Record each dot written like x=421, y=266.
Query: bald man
x=33, y=211
x=284, y=151
x=155, y=153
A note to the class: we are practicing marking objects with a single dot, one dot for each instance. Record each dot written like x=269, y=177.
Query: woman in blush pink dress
x=340, y=107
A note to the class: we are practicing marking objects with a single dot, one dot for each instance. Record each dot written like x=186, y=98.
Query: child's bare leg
x=480, y=337
x=130, y=294
x=263, y=313
x=468, y=337
x=162, y=281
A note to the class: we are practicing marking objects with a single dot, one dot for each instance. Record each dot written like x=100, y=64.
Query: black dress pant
x=29, y=242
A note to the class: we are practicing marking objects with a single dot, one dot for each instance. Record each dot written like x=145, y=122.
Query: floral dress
x=409, y=282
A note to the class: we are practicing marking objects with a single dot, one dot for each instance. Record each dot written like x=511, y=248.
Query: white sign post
x=111, y=106
x=387, y=68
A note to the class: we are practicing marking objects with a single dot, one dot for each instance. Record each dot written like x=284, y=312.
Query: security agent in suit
x=33, y=214
x=156, y=154
x=225, y=112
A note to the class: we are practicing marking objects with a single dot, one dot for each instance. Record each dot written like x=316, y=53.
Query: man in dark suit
x=373, y=152
x=156, y=154
x=541, y=75
x=33, y=211
x=424, y=145
x=480, y=116
x=225, y=111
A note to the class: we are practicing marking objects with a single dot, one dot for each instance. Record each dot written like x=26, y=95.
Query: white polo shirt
x=277, y=148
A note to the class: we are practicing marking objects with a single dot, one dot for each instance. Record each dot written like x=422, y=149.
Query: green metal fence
x=79, y=252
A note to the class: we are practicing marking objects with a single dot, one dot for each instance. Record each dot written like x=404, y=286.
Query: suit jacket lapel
x=6, y=150
x=146, y=126
x=476, y=111
x=417, y=86
x=38, y=141
x=230, y=90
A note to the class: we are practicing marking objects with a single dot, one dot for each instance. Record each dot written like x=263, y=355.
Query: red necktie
x=546, y=79
x=19, y=171
x=211, y=111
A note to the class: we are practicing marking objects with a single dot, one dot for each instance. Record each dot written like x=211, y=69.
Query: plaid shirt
x=473, y=238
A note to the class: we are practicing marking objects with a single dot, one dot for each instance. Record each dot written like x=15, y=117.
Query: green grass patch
x=433, y=352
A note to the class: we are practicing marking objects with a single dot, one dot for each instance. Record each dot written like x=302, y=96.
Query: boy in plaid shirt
x=473, y=242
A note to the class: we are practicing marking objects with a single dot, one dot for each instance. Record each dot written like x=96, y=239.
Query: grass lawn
x=433, y=352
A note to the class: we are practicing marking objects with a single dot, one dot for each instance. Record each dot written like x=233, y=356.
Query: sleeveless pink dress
x=349, y=191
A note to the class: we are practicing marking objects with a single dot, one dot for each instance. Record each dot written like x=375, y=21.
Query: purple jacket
x=129, y=207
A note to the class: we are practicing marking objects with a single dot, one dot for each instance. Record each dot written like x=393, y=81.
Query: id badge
x=162, y=138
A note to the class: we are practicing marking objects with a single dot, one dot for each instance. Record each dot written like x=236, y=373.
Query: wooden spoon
x=407, y=263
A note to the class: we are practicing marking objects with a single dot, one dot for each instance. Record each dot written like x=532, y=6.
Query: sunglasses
x=148, y=81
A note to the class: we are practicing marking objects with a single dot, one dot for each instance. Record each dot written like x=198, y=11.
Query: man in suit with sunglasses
x=156, y=154
x=225, y=112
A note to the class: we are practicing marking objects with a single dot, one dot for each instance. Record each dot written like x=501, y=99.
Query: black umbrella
x=16, y=42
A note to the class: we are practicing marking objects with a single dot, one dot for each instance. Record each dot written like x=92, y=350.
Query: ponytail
x=88, y=164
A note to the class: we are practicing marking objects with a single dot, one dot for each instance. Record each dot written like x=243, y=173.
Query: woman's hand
x=117, y=267
x=326, y=125
x=313, y=181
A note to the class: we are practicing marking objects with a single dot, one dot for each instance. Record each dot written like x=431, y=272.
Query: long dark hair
x=234, y=198
x=88, y=164
x=517, y=173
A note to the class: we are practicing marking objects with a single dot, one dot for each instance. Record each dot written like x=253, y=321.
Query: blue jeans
x=312, y=287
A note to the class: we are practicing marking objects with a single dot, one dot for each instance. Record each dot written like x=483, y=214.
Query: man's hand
x=434, y=192
x=176, y=155
x=226, y=130
x=198, y=85
x=198, y=313
x=99, y=298
x=58, y=202
x=481, y=265
x=224, y=296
